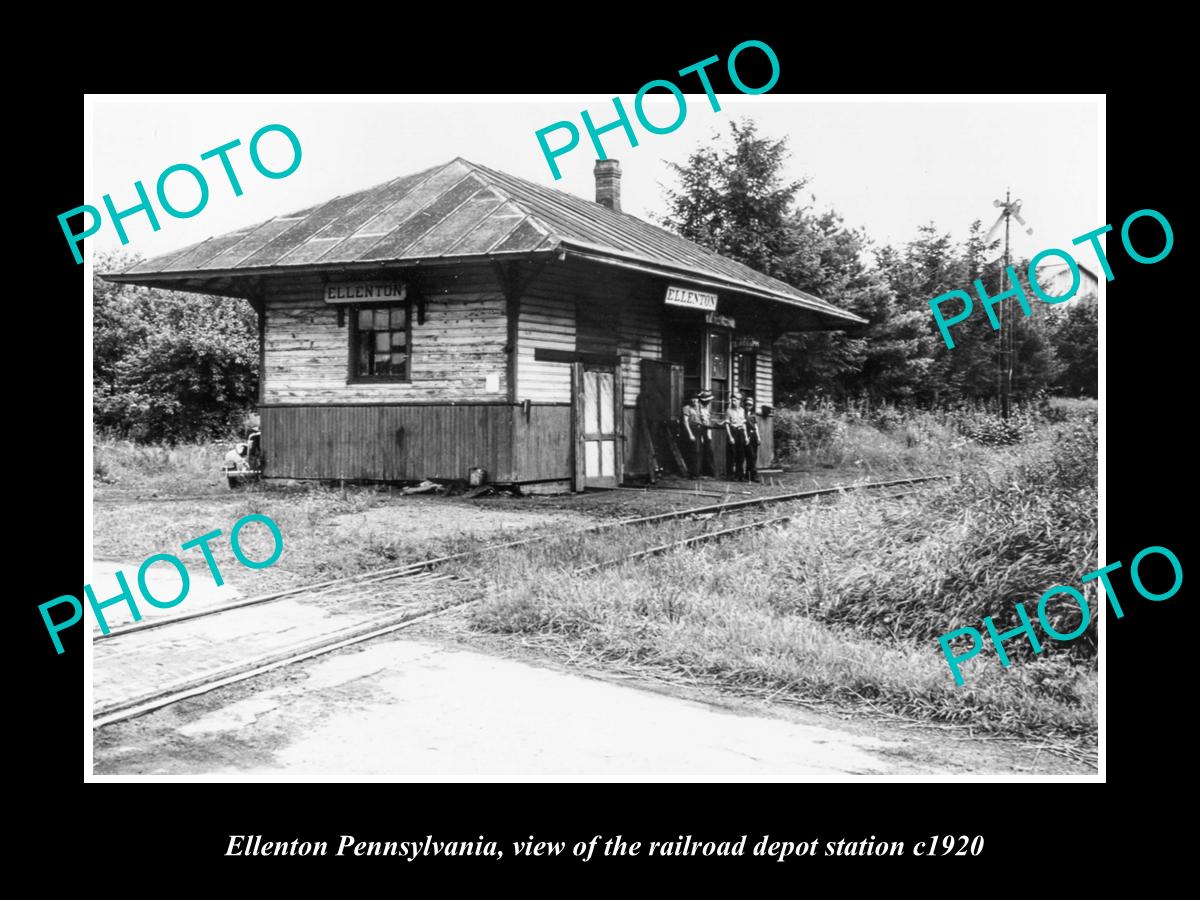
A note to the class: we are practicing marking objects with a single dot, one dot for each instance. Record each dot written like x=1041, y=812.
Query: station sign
x=681, y=296
x=365, y=292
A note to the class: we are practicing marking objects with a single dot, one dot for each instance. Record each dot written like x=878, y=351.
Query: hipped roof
x=458, y=211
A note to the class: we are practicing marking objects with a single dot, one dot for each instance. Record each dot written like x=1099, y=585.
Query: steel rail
x=380, y=575
x=197, y=685
x=698, y=539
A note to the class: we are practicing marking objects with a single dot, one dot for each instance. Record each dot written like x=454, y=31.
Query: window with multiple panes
x=380, y=343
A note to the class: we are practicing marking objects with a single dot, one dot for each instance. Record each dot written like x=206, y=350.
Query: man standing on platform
x=696, y=424
x=735, y=430
x=753, y=440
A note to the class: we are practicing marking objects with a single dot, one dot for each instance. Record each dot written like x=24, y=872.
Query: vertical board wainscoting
x=387, y=443
x=542, y=442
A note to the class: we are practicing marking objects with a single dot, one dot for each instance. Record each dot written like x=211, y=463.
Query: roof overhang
x=822, y=316
x=246, y=282
x=808, y=314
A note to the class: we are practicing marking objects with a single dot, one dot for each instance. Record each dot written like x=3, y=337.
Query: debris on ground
x=425, y=487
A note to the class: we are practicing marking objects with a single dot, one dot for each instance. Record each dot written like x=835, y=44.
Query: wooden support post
x=577, y=459
x=514, y=286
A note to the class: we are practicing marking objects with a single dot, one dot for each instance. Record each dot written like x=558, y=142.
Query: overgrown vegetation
x=843, y=605
x=888, y=437
x=846, y=602
x=166, y=366
x=168, y=468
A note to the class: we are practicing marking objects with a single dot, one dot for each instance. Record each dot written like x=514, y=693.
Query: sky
x=885, y=167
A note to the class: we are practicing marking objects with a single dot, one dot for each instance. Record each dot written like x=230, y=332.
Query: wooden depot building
x=462, y=318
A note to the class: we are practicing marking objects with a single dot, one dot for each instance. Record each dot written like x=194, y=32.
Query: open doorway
x=702, y=345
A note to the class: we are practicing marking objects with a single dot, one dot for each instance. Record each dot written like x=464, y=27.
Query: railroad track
x=415, y=580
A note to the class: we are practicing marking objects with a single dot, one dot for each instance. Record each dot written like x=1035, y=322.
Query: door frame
x=579, y=478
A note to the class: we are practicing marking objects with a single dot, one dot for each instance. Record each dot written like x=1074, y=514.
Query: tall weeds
x=846, y=602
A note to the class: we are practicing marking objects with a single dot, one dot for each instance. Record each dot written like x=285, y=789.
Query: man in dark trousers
x=735, y=430
x=753, y=440
x=696, y=424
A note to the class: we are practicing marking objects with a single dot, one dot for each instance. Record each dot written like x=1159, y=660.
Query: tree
x=169, y=366
x=933, y=265
x=734, y=200
x=1075, y=339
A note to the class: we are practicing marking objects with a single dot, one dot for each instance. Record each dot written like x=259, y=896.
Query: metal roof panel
x=465, y=209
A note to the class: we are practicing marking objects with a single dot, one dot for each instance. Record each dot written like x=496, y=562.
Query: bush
x=886, y=418
x=170, y=367
x=1004, y=535
x=816, y=428
x=990, y=430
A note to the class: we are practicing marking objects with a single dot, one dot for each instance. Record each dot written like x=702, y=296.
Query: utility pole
x=1006, y=338
x=1006, y=320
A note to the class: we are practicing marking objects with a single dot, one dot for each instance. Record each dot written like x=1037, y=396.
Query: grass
x=154, y=499
x=151, y=468
x=846, y=601
x=719, y=615
x=843, y=605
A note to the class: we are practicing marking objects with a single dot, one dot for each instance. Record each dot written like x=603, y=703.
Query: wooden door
x=598, y=415
x=662, y=407
x=662, y=388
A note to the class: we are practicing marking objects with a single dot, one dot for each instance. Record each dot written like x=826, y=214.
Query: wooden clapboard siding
x=641, y=333
x=597, y=326
x=462, y=340
x=317, y=425
x=549, y=319
x=765, y=375
x=546, y=321
x=387, y=443
x=766, y=396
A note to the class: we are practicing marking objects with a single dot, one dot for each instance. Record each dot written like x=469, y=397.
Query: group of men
x=741, y=427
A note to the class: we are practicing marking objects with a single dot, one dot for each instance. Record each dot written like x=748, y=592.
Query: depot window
x=380, y=342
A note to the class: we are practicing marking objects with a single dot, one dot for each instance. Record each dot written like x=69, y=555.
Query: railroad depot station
x=461, y=318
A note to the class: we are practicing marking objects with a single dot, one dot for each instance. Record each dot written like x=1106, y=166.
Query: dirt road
x=409, y=709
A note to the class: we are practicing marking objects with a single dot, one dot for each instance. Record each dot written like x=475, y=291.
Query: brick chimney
x=608, y=183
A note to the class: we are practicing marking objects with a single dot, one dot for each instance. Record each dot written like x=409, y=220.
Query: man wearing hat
x=735, y=430
x=697, y=420
x=753, y=440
